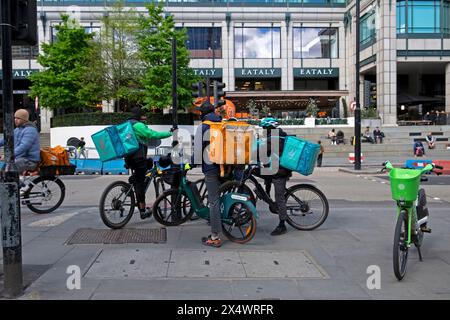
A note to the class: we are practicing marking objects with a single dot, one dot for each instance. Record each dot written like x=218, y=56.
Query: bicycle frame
x=410, y=208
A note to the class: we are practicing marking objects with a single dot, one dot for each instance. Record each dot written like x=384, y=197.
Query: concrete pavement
x=328, y=263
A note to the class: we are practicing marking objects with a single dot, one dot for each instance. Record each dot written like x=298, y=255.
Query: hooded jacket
x=26, y=142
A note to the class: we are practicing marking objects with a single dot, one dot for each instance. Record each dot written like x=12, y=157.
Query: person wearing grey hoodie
x=26, y=142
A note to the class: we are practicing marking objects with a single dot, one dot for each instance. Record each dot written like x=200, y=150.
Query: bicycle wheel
x=236, y=186
x=400, y=246
x=307, y=207
x=167, y=208
x=117, y=204
x=45, y=194
x=240, y=227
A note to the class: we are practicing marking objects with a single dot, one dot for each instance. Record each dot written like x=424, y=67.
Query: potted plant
x=370, y=117
x=311, y=113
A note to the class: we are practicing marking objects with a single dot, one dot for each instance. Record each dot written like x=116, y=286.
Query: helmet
x=269, y=122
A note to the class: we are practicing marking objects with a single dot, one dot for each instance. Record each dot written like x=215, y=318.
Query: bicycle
x=118, y=201
x=238, y=214
x=43, y=191
x=412, y=214
x=307, y=206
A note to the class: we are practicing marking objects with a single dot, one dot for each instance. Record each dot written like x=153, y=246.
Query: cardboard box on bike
x=230, y=142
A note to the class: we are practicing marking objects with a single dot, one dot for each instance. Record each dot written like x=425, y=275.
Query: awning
x=409, y=99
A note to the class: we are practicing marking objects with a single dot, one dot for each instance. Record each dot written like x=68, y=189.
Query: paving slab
x=205, y=264
x=130, y=264
x=281, y=264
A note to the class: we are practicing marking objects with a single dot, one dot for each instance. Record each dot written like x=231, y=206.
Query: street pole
x=9, y=196
x=358, y=108
x=174, y=85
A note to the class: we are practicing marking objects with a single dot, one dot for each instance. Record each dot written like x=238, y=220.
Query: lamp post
x=358, y=107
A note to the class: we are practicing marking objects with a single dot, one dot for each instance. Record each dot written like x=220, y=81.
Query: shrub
x=100, y=118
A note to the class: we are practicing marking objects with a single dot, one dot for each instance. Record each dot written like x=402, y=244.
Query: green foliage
x=345, y=107
x=311, y=108
x=121, y=75
x=99, y=118
x=331, y=121
x=252, y=108
x=369, y=113
x=265, y=110
x=154, y=37
x=68, y=79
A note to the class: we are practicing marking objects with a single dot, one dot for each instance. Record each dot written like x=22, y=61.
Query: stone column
x=447, y=87
x=387, y=62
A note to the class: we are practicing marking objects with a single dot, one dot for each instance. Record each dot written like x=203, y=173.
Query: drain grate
x=104, y=236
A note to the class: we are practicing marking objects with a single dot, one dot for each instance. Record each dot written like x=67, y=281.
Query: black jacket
x=207, y=168
x=282, y=172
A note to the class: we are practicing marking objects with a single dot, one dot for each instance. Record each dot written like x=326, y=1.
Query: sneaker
x=146, y=213
x=279, y=230
x=208, y=241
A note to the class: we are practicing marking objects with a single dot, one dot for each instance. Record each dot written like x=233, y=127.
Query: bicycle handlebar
x=387, y=165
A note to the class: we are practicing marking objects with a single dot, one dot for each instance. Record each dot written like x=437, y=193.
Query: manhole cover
x=92, y=236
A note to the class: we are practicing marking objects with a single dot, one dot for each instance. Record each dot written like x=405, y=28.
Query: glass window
x=254, y=43
x=204, y=42
x=315, y=43
x=415, y=16
x=368, y=29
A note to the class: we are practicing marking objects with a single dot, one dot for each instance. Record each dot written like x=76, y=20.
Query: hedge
x=100, y=118
x=324, y=121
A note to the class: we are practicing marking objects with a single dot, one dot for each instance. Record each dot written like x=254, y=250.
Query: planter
x=370, y=123
x=310, y=122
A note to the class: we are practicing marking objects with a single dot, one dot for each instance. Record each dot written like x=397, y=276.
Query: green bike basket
x=405, y=184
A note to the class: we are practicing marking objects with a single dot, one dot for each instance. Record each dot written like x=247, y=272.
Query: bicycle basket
x=57, y=170
x=405, y=184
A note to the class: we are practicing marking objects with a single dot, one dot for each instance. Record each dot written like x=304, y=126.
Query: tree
x=345, y=107
x=311, y=108
x=121, y=74
x=265, y=111
x=68, y=80
x=154, y=37
x=252, y=108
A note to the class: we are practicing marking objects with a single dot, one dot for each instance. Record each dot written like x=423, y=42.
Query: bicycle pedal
x=425, y=229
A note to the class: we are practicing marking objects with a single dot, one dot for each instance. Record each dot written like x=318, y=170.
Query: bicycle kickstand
x=420, y=254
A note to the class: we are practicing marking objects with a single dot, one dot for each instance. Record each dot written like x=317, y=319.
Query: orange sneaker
x=208, y=241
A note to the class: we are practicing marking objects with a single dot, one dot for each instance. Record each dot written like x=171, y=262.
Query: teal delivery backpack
x=299, y=155
x=116, y=141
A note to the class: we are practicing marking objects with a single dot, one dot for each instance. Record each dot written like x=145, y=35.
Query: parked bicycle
x=175, y=206
x=307, y=206
x=412, y=213
x=118, y=201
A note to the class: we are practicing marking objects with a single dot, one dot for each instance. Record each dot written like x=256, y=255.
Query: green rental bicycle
x=412, y=213
x=175, y=206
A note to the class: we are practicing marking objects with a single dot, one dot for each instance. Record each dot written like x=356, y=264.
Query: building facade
x=280, y=53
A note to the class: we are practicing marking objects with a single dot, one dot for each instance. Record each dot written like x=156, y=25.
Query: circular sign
x=353, y=106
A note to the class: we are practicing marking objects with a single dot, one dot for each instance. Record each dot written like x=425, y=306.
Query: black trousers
x=139, y=167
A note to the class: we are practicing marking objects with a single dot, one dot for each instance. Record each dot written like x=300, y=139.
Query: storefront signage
x=316, y=72
x=213, y=73
x=21, y=73
x=257, y=73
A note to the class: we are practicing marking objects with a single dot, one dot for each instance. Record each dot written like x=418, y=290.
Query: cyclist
x=279, y=178
x=26, y=144
x=212, y=177
x=138, y=160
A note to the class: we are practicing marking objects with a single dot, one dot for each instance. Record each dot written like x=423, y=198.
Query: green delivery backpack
x=299, y=155
x=116, y=141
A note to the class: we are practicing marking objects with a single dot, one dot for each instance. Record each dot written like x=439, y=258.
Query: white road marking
x=53, y=221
